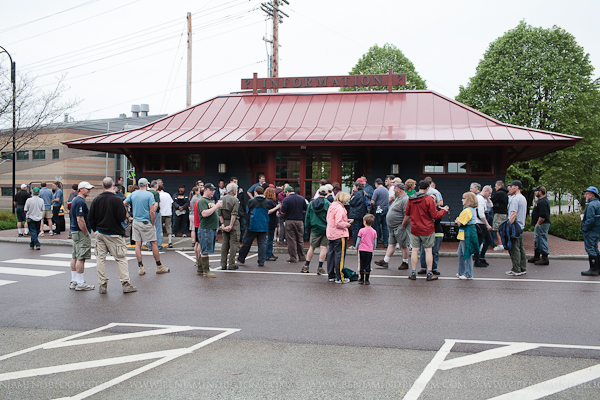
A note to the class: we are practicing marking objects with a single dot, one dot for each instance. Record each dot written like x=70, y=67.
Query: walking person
x=337, y=234
x=208, y=217
x=142, y=229
x=258, y=227
x=467, y=236
x=46, y=195
x=367, y=243
x=57, y=202
x=540, y=218
x=230, y=226
x=316, y=221
x=294, y=206
x=106, y=216
x=33, y=208
x=20, y=199
x=82, y=242
x=590, y=226
x=517, y=209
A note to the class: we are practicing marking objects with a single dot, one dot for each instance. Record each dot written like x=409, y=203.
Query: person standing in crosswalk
x=80, y=233
x=106, y=217
x=33, y=209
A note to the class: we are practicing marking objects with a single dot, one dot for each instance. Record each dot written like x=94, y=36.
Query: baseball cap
x=23, y=186
x=361, y=180
x=143, y=182
x=35, y=190
x=516, y=183
x=399, y=185
x=378, y=180
x=592, y=189
x=323, y=190
x=289, y=189
x=87, y=185
x=209, y=186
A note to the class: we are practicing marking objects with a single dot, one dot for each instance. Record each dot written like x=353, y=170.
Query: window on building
x=7, y=192
x=318, y=166
x=55, y=154
x=193, y=162
x=352, y=168
x=7, y=155
x=434, y=163
x=153, y=162
x=172, y=162
x=287, y=168
x=39, y=154
x=457, y=163
x=481, y=164
x=22, y=156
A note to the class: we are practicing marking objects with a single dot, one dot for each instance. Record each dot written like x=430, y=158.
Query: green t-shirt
x=156, y=199
x=211, y=222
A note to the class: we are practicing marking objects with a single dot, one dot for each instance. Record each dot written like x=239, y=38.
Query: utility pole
x=272, y=9
x=188, y=100
x=13, y=79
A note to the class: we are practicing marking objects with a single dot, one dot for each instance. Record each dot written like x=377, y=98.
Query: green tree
x=378, y=60
x=541, y=78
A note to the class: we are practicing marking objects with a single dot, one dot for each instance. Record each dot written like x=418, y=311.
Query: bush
x=567, y=226
x=8, y=220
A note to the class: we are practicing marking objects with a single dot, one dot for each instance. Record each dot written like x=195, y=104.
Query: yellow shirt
x=464, y=218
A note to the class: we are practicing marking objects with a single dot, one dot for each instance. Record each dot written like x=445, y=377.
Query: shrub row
x=566, y=226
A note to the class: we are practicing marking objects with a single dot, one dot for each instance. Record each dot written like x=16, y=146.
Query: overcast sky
x=119, y=53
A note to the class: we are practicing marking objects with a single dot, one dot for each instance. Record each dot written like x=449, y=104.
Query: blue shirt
x=79, y=208
x=381, y=196
x=140, y=201
x=58, y=194
x=46, y=195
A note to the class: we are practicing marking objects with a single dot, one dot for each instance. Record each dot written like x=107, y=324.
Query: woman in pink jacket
x=337, y=233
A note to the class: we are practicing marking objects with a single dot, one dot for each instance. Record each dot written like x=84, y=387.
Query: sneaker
x=233, y=267
x=320, y=271
x=351, y=248
x=170, y=245
x=128, y=288
x=103, y=288
x=436, y=272
x=403, y=265
x=41, y=234
x=142, y=271
x=51, y=233
x=72, y=285
x=272, y=258
x=161, y=269
x=461, y=277
x=523, y=273
x=512, y=273
x=422, y=271
x=499, y=248
x=291, y=261
x=32, y=248
x=431, y=277
x=331, y=280
x=304, y=269
x=458, y=276
x=343, y=281
x=184, y=235
x=144, y=247
x=382, y=263
x=20, y=234
x=412, y=276
x=84, y=286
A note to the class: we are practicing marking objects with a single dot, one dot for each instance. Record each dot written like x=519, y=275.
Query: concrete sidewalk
x=559, y=248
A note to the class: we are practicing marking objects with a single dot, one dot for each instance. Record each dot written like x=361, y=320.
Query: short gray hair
x=475, y=185
x=107, y=182
x=154, y=183
x=232, y=187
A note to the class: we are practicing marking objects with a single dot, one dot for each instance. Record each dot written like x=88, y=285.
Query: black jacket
x=500, y=200
x=107, y=214
x=358, y=207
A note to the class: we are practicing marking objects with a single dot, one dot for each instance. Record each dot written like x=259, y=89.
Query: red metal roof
x=373, y=118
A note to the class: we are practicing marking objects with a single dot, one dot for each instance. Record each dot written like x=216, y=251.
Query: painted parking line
x=28, y=271
x=536, y=391
x=45, y=263
x=6, y=282
x=161, y=357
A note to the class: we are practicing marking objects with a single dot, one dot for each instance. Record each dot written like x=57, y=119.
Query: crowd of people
x=403, y=216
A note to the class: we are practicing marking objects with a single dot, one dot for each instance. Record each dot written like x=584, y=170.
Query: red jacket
x=422, y=211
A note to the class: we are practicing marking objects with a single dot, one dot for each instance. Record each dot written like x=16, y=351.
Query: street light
x=13, y=72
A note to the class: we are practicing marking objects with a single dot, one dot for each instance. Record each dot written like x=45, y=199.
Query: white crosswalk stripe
x=6, y=282
x=67, y=255
x=28, y=271
x=45, y=263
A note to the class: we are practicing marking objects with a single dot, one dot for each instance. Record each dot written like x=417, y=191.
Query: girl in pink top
x=366, y=243
x=337, y=233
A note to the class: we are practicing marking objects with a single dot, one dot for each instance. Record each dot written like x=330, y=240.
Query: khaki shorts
x=46, y=214
x=316, y=241
x=82, y=246
x=428, y=241
x=143, y=232
x=168, y=222
x=400, y=236
x=498, y=220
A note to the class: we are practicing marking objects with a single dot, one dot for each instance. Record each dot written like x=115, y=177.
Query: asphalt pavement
x=273, y=332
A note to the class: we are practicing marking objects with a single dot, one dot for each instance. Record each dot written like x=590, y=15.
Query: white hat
x=23, y=186
x=143, y=182
x=84, y=185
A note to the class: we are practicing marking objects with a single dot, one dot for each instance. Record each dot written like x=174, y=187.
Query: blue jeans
x=465, y=267
x=207, y=241
x=270, y=238
x=590, y=241
x=158, y=226
x=56, y=219
x=381, y=226
x=540, y=238
x=34, y=230
x=435, y=251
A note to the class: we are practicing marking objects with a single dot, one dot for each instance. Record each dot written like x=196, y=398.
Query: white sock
x=386, y=259
x=80, y=279
x=405, y=260
x=26, y=231
x=20, y=231
x=169, y=239
x=73, y=276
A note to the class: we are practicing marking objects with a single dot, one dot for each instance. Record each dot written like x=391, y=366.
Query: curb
x=283, y=250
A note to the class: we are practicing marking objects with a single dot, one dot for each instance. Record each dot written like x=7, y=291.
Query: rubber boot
x=199, y=267
x=206, y=268
x=543, y=260
x=367, y=278
x=536, y=257
x=593, y=271
x=361, y=280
